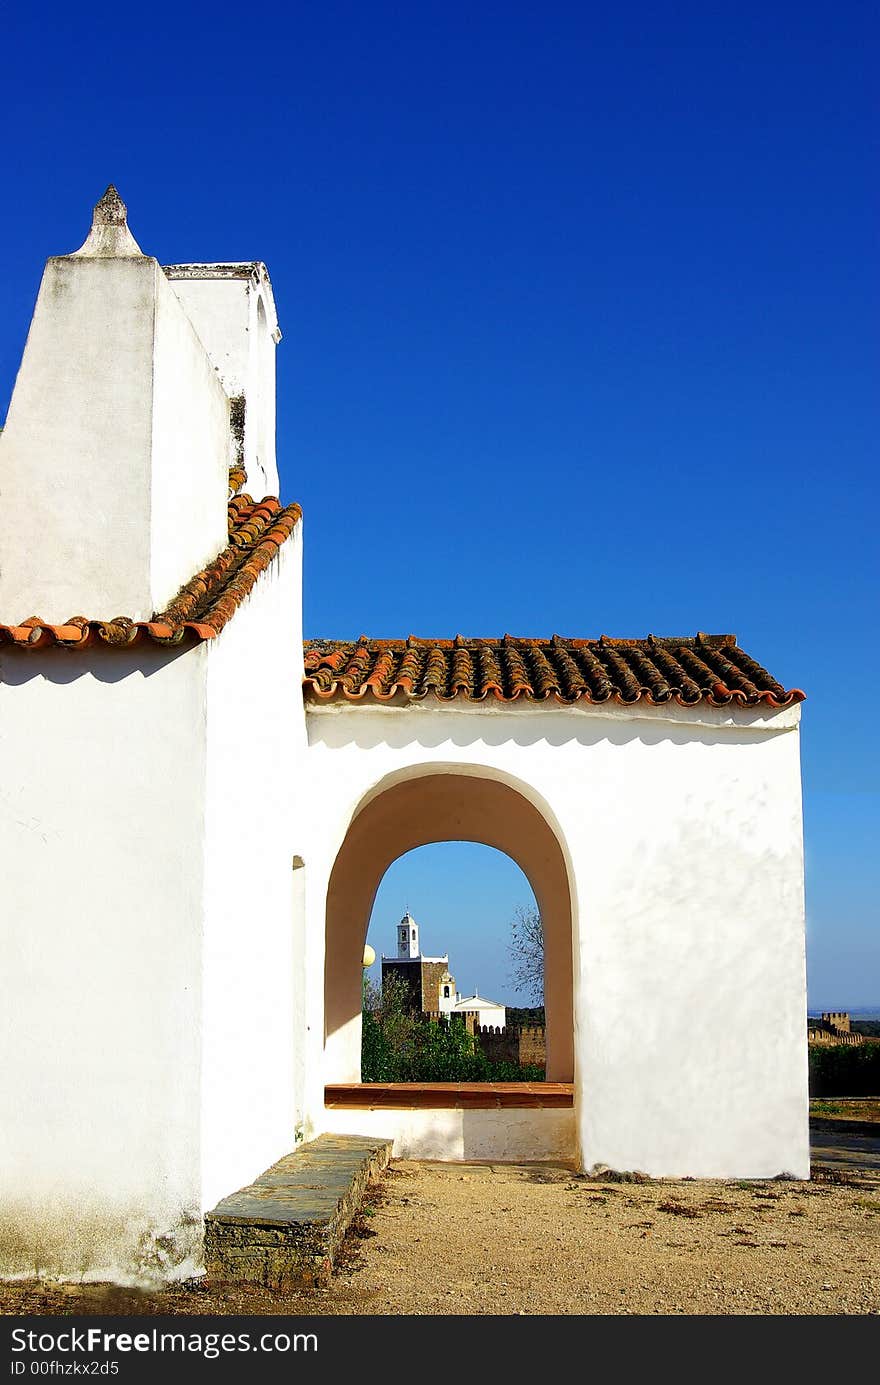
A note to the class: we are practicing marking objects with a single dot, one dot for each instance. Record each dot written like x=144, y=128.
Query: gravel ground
x=532, y=1239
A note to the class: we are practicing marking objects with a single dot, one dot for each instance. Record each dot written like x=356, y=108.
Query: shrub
x=845, y=1070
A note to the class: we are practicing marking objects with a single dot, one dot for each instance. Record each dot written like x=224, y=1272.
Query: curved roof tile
x=704, y=668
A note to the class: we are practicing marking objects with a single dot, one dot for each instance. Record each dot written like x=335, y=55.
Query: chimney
x=115, y=457
x=232, y=308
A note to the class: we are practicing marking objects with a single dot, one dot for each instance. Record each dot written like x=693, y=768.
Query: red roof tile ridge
x=202, y=607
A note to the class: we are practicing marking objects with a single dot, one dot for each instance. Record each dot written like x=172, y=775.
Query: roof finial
x=109, y=235
x=110, y=210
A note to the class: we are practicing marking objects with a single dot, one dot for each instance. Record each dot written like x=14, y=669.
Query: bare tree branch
x=527, y=953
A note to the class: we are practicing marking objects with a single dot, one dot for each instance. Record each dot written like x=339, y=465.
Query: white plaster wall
x=682, y=831
x=219, y=309
x=101, y=840
x=495, y=1015
x=506, y=1135
x=154, y=962
x=119, y=421
x=191, y=452
x=254, y=977
x=233, y=311
x=78, y=431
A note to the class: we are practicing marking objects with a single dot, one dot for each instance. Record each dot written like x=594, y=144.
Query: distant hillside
x=870, y=1028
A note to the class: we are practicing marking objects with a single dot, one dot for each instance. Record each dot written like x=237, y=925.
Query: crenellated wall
x=523, y=1044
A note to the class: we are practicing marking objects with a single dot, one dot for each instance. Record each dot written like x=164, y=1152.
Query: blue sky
x=579, y=309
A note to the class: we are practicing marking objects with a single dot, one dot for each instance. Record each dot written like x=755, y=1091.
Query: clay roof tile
x=202, y=607
x=689, y=669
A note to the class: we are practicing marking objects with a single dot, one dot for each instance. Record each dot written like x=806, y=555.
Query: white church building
x=196, y=809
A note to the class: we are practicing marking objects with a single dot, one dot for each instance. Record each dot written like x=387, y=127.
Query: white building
x=190, y=852
x=487, y=1011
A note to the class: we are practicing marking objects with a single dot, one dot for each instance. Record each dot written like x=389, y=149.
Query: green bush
x=845, y=1070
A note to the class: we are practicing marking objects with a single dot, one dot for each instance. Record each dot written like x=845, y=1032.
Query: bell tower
x=407, y=937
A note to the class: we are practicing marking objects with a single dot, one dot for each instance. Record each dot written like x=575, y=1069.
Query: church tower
x=408, y=937
x=423, y=976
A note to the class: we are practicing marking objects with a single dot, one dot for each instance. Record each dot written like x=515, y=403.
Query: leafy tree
x=441, y=1052
x=527, y=953
x=389, y=1025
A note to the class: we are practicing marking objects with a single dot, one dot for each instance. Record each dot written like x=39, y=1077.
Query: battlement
x=523, y=1044
x=832, y=1028
x=837, y=1019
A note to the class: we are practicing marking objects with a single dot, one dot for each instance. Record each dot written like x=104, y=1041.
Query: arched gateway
x=176, y=997
x=410, y=808
x=442, y=804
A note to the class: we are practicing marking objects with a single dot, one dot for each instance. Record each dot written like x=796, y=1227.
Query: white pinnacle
x=109, y=235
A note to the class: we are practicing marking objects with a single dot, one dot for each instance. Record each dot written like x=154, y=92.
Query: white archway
x=434, y=803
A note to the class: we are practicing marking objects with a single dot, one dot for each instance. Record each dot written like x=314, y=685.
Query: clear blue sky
x=580, y=315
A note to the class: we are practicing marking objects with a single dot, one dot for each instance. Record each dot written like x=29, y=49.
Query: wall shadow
x=104, y=663
x=447, y=724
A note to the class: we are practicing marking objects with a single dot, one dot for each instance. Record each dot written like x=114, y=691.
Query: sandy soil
x=527, y=1239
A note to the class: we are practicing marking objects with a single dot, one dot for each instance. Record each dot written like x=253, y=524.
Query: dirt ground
x=533, y=1239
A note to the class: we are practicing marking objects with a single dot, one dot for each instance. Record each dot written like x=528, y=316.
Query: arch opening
x=442, y=806
x=463, y=899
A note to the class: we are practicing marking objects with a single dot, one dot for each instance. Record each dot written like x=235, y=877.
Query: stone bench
x=283, y=1230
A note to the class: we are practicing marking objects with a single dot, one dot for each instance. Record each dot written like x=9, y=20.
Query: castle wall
x=525, y=1044
x=837, y=1019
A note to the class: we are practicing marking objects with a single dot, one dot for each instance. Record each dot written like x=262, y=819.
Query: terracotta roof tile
x=257, y=529
x=704, y=668
x=237, y=478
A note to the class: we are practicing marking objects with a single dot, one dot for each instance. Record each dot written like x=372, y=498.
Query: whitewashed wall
x=163, y=966
x=232, y=308
x=191, y=452
x=508, y=1135
x=253, y=975
x=153, y=994
x=115, y=454
x=682, y=832
x=102, y=768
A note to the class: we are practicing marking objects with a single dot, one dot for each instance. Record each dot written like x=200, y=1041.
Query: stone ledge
x=283, y=1230
x=470, y=1096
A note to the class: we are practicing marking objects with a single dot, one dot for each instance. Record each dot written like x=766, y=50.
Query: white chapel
x=197, y=806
